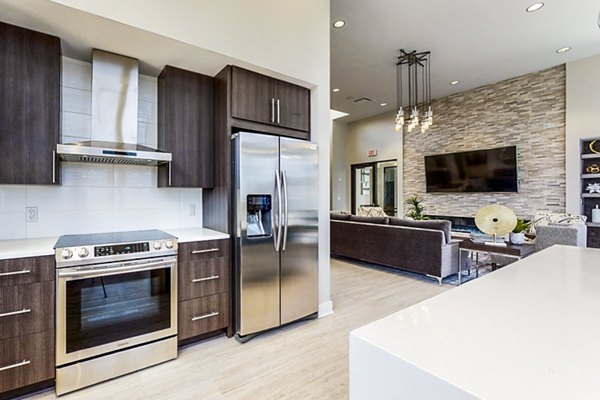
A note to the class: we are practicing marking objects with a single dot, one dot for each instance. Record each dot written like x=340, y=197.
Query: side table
x=510, y=250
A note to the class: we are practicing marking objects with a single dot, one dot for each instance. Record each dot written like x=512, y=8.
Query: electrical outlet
x=192, y=210
x=31, y=214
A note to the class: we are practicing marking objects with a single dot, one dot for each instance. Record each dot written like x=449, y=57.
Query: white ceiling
x=474, y=41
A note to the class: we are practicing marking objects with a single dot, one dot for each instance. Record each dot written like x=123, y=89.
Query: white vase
x=517, y=238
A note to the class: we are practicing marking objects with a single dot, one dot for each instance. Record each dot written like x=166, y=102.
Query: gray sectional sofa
x=424, y=247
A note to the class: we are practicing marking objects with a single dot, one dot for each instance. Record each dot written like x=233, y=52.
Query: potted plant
x=517, y=236
x=415, y=208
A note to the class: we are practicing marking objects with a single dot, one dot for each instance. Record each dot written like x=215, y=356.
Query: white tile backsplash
x=98, y=197
x=12, y=198
x=76, y=125
x=12, y=225
x=85, y=174
x=76, y=101
x=76, y=74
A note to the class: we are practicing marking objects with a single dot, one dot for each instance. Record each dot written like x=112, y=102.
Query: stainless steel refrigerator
x=275, y=215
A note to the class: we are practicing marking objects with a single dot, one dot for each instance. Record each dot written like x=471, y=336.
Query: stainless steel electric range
x=116, y=306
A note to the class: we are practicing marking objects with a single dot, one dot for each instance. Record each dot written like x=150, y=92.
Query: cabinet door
x=203, y=315
x=186, y=128
x=252, y=96
x=294, y=106
x=26, y=309
x=29, y=106
x=26, y=360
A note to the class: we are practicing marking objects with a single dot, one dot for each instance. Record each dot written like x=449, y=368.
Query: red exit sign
x=372, y=153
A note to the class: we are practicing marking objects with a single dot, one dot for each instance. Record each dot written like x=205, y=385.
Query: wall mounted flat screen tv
x=492, y=170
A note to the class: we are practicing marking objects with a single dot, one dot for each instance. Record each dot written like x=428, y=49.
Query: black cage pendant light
x=413, y=80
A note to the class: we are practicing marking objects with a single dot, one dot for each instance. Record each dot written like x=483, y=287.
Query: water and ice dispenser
x=258, y=215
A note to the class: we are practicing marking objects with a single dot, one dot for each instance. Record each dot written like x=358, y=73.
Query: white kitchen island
x=530, y=330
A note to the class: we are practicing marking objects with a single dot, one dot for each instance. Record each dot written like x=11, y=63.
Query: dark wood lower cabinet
x=26, y=309
x=203, y=278
x=203, y=291
x=203, y=315
x=27, y=288
x=26, y=360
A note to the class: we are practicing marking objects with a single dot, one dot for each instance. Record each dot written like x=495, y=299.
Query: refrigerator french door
x=276, y=196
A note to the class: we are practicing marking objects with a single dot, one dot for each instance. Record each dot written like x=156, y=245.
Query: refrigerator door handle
x=277, y=219
x=285, y=209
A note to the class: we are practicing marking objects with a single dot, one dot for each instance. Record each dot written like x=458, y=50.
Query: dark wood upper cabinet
x=186, y=128
x=252, y=95
x=294, y=105
x=261, y=99
x=30, y=74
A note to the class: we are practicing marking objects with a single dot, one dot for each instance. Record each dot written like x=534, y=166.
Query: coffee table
x=516, y=251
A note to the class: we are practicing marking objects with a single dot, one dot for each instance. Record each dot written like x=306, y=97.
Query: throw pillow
x=370, y=211
x=543, y=218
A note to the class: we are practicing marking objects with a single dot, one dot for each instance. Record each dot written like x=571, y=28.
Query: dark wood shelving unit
x=590, y=200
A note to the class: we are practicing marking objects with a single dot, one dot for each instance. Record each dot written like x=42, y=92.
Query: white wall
x=583, y=120
x=339, y=178
x=376, y=133
x=97, y=197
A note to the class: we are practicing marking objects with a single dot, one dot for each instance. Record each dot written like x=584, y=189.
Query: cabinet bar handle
x=53, y=166
x=205, y=250
x=278, y=112
x=208, y=278
x=21, y=364
x=25, y=271
x=272, y=110
x=212, y=314
x=170, y=173
x=23, y=311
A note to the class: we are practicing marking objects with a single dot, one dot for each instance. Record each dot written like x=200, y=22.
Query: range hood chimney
x=114, y=117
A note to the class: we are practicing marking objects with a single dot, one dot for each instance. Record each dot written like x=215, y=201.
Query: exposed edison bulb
x=399, y=120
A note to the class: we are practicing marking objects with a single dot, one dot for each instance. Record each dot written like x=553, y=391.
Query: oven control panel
x=115, y=249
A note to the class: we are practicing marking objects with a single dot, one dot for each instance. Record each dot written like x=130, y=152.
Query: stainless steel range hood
x=114, y=117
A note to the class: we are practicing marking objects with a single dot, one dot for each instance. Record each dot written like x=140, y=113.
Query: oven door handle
x=114, y=270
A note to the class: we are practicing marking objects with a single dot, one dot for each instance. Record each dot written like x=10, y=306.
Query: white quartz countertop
x=196, y=234
x=36, y=247
x=530, y=330
x=27, y=247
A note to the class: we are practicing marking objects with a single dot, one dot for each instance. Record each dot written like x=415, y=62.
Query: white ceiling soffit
x=473, y=41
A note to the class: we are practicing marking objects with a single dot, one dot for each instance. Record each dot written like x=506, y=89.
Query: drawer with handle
x=26, y=360
x=203, y=250
x=202, y=277
x=26, y=309
x=19, y=271
x=203, y=315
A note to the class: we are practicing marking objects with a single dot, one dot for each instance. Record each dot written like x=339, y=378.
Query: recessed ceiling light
x=534, y=7
x=335, y=90
x=454, y=82
x=563, y=49
x=339, y=23
x=383, y=104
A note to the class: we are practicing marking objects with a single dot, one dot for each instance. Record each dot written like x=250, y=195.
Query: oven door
x=109, y=307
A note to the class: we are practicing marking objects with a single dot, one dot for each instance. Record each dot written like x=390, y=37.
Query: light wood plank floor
x=308, y=360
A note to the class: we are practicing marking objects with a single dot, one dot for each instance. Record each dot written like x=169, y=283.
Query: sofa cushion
x=339, y=215
x=370, y=220
x=437, y=224
x=543, y=218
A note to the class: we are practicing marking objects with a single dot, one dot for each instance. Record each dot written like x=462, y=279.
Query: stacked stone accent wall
x=527, y=111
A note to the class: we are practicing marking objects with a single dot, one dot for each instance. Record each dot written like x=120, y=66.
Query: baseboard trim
x=325, y=308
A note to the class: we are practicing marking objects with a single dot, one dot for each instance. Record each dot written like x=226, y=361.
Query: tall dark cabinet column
x=30, y=64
